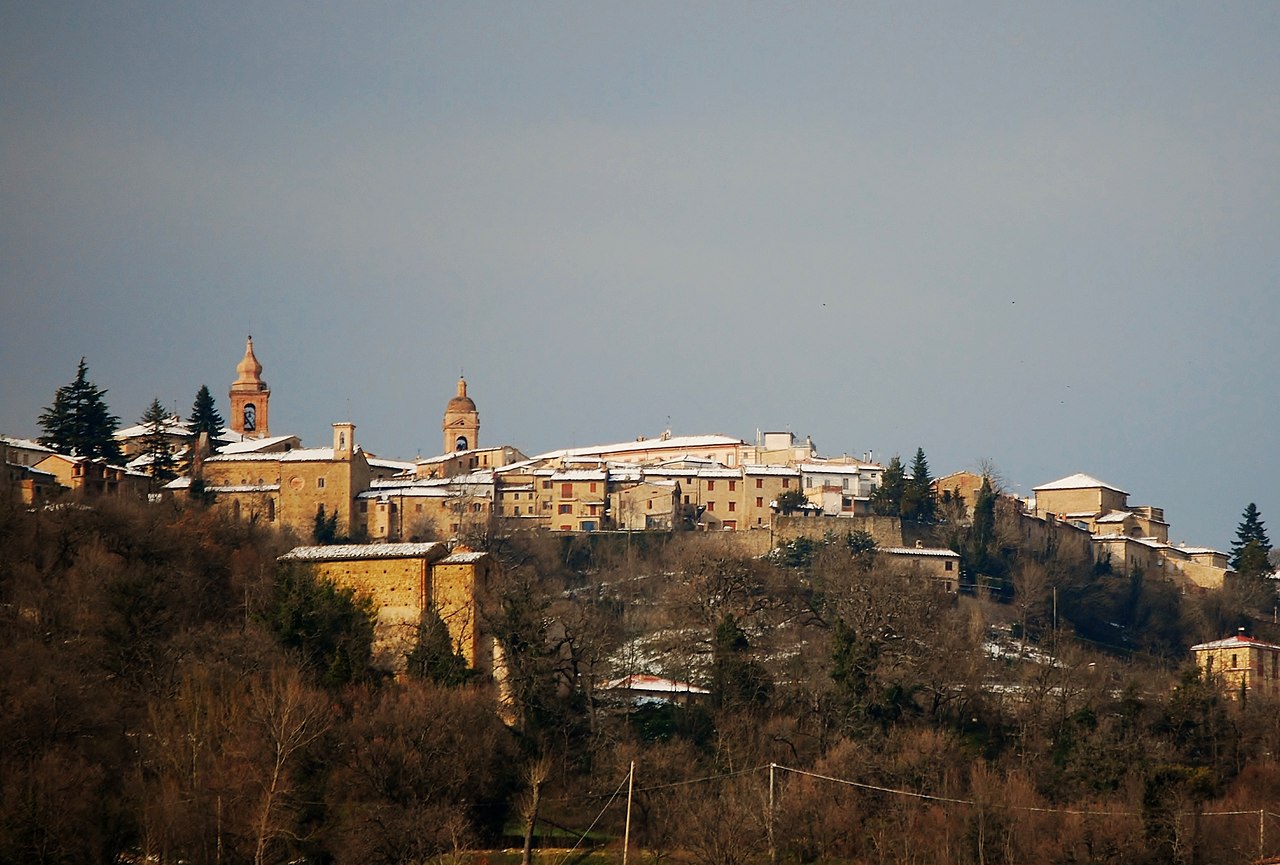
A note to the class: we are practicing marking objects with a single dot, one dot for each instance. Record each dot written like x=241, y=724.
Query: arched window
x=460, y=444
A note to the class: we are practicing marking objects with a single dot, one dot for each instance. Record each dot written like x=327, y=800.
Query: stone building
x=1129, y=537
x=941, y=565
x=407, y=581
x=1241, y=666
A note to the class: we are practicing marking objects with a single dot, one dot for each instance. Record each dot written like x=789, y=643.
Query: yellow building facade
x=1241, y=666
x=405, y=582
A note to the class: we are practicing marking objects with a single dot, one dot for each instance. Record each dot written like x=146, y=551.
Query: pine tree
x=79, y=423
x=204, y=418
x=887, y=499
x=918, y=498
x=1251, y=552
x=155, y=442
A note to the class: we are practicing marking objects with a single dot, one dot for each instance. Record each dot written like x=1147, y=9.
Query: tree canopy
x=1251, y=552
x=79, y=422
x=204, y=417
x=156, y=443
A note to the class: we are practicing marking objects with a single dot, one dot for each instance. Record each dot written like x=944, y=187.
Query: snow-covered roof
x=1235, y=641
x=465, y=558
x=651, y=684
x=421, y=491
x=1078, y=482
x=837, y=468
x=1115, y=517
x=341, y=552
x=920, y=551
x=579, y=475
x=246, y=488
x=26, y=444
x=1200, y=551
x=307, y=455
x=246, y=446
x=777, y=471
x=669, y=443
x=379, y=462
x=173, y=425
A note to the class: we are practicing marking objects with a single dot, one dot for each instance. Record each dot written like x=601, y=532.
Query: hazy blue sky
x=1043, y=234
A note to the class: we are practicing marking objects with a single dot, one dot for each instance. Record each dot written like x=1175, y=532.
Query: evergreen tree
x=325, y=529
x=155, y=441
x=204, y=418
x=1251, y=552
x=918, y=499
x=330, y=628
x=738, y=680
x=887, y=499
x=792, y=501
x=435, y=658
x=79, y=423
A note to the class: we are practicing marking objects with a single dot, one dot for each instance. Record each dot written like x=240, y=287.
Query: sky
x=1042, y=236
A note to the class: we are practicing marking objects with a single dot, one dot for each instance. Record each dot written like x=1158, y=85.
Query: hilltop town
x=230, y=645
x=775, y=487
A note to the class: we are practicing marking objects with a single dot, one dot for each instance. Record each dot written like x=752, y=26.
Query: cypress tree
x=79, y=423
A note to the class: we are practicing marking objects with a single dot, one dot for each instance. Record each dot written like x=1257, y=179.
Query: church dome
x=461, y=402
x=249, y=370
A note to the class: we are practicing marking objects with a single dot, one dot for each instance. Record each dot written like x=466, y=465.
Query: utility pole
x=626, y=832
x=773, y=849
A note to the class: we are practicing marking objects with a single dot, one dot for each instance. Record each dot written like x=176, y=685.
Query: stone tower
x=249, y=397
x=461, y=422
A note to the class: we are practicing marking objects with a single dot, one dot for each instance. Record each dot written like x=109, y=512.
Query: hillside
x=171, y=693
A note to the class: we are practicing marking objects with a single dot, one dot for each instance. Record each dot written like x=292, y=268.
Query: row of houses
x=711, y=483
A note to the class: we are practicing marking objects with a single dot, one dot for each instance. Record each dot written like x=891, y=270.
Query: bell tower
x=249, y=397
x=461, y=422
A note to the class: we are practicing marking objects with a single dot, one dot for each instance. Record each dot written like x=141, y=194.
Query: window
x=417, y=509
x=686, y=500
x=650, y=504
x=319, y=483
x=546, y=485
x=364, y=507
x=950, y=565
x=271, y=510
x=808, y=482
x=786, y=483
x=733, y=485
x=566, y=491
x=566, y=509
x=711, y=485
x=759, y=483
x=591, y=509
x=844, y=483
x=733, y=506
x=759, y=501
x=711, y=506
x=593, y=486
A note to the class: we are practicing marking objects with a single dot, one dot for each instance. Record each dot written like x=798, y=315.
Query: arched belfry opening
x=461, y=424
x=249, y=397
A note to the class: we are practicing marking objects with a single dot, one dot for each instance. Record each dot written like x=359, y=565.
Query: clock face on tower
x=250, y=417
